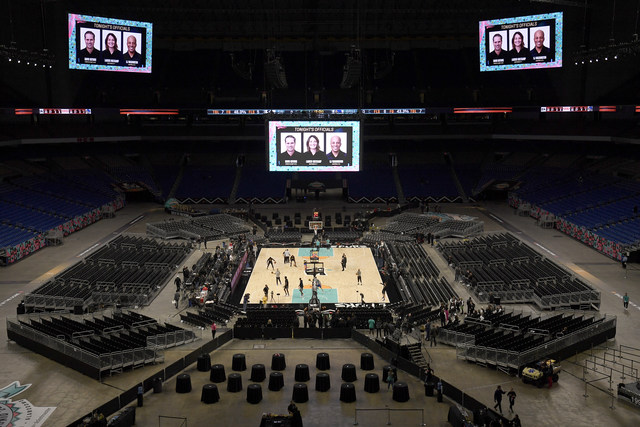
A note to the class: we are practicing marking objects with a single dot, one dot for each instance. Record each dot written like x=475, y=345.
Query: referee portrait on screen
x=290, y=157
x=111, y=55
x=498, y=56
x=132, y=58
x=89, y=55
x=540, y=53
x=336, y=157
x=314, y=156
x=519, y=53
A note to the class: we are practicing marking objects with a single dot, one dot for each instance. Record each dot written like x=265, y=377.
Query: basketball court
x=337, y=286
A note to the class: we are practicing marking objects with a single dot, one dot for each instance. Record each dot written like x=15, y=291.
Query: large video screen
x=107, y=44
x=314, y=146
x=523, y=42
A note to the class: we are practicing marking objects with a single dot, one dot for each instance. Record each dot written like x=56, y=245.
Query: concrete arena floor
x=73, y=394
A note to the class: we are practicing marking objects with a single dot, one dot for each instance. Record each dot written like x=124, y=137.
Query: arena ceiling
x=318, y=24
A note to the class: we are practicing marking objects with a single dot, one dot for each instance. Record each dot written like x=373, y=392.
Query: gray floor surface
x=73, y=394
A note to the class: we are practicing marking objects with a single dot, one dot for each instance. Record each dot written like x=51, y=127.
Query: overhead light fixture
x=19, y=56
x=616, y=50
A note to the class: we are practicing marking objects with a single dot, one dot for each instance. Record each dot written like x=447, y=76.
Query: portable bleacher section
x=384, y=236
x=508, y=269
x=98, y=345
x=441, y=225
x=220, y=313
x=209, y=227
x=509, y=340
x=129, y=271
x=277, y=235
x=342, y=235
x=415, y=275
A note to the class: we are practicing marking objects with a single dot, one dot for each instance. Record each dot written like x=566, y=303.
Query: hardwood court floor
x=338, y=286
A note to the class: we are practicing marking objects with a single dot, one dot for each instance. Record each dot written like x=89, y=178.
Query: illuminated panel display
x=523, y=42
x=394, y=111
x=313, y=146
x=213, y=112
x=64, y=111
x=567, y=109
x=145, y=112
x=334, y=111
x=482, y=110
x=107, y=44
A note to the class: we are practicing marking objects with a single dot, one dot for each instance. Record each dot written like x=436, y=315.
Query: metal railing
x=511, y=359
x=171, y=339
x=388, y=410
x=54, y=343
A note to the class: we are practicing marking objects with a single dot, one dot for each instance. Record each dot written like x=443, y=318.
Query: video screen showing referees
x=107, y=44
x=521, y=43
x=314, y=146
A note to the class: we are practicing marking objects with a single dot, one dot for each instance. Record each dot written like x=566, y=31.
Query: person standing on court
x=271, y=262
x=301, y=287
x=245, y=301
x=286, y=285
x=278, y=281
x=359, y=276
x=344, y=261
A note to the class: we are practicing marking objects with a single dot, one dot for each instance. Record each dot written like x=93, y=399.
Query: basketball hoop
x=315, y=226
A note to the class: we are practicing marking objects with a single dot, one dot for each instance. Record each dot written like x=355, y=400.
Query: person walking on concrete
x=625, y=301
x=372, y=325
x=434, y=335
x=512, y=399
x=391, y=378
x=497, y=397
x=176, y=298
